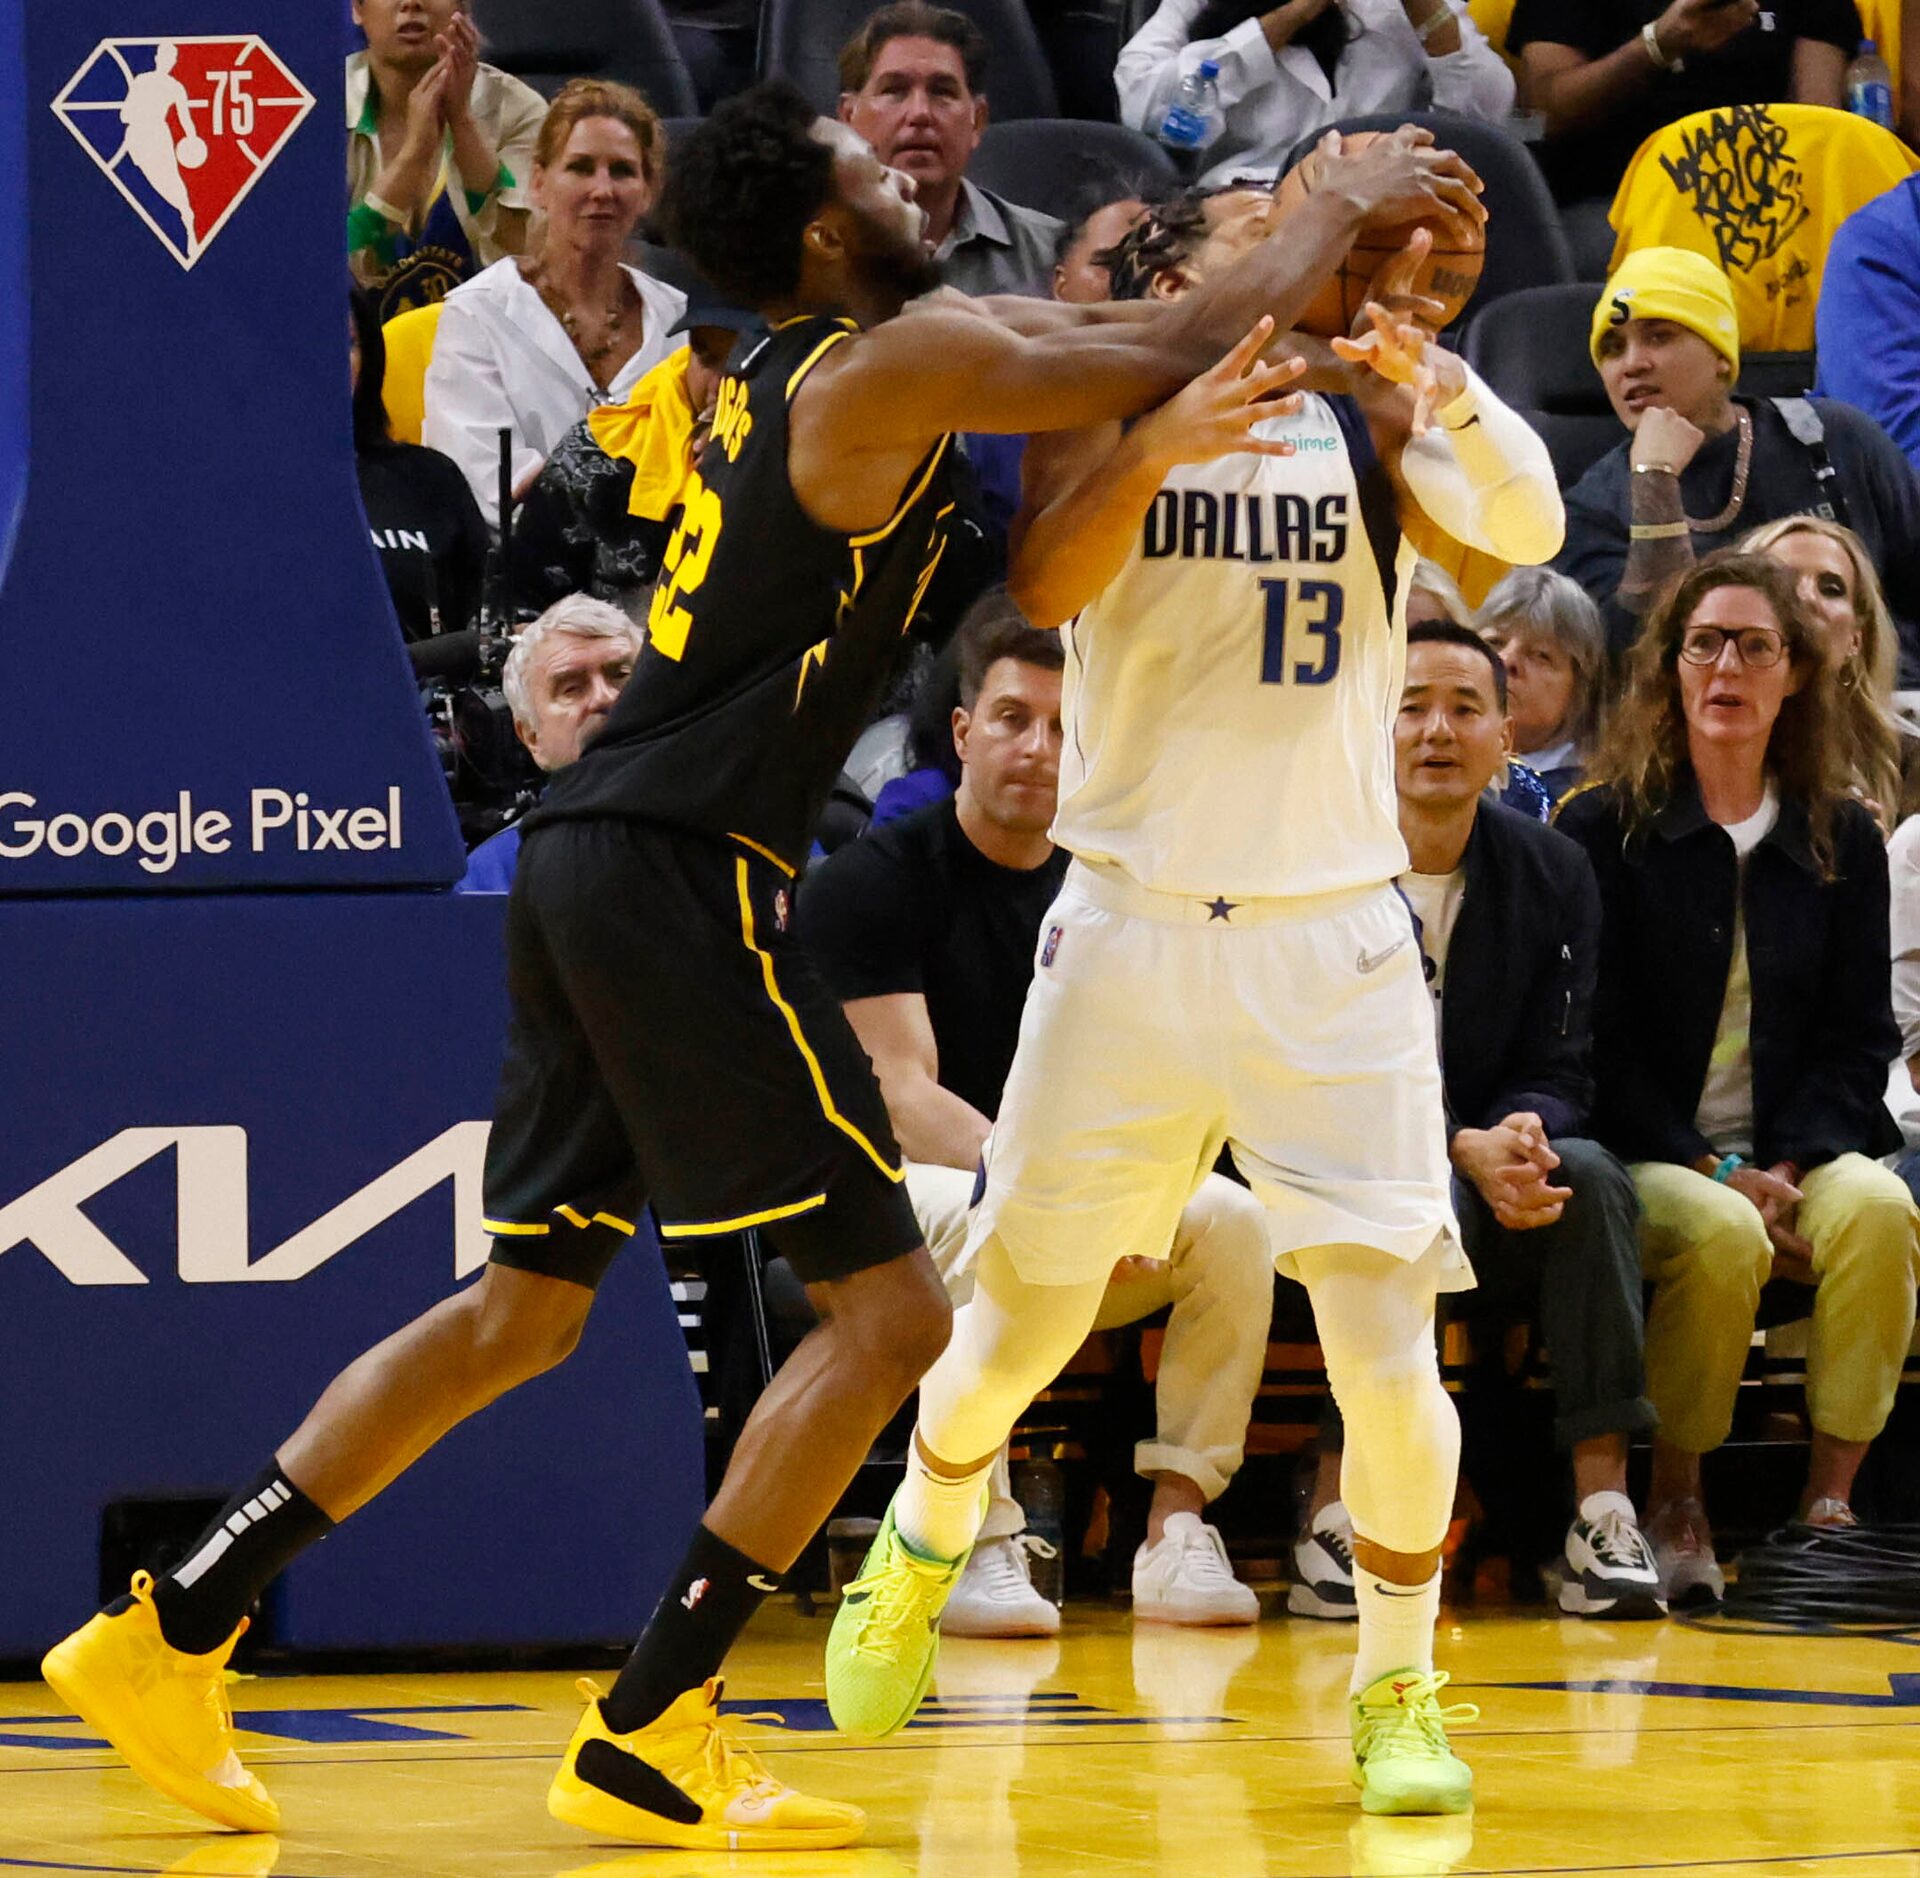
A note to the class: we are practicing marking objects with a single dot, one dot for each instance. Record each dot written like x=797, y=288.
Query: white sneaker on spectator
x=995, y=1596
x=1609, y=1568
x=1323, y=1568
x=1683, y=1551
x=1186, y=1579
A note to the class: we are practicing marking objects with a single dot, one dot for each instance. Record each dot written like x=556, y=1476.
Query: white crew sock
x=1596, y=1506
x=1396, y=1626
x=938, y=1514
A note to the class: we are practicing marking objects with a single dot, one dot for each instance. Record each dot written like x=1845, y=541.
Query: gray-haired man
x=565, y=671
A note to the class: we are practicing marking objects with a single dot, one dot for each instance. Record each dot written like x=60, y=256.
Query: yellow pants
x=1703, y=1246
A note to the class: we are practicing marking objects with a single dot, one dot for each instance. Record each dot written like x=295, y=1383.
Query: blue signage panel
x=202, y=684
x=243, y=1142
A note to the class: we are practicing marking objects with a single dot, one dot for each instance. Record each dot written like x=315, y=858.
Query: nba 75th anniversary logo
x=183, y=128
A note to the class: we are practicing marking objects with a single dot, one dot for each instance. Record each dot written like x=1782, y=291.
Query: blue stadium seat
x=1526, y=246
x=1054, y=163
x=801, y=40
x=627, y=40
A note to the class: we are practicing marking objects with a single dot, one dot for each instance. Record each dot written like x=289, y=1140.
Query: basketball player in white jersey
x=1228, y=962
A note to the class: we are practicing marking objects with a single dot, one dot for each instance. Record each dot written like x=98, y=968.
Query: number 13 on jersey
x=689, y=555
x=1317, y=607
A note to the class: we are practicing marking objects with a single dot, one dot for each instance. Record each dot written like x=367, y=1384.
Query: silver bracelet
x=1440, y=15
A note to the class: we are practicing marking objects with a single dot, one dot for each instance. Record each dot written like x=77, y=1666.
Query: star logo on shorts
x=1221, y=908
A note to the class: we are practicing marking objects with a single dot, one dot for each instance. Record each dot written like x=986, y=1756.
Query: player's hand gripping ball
x=1446, y=276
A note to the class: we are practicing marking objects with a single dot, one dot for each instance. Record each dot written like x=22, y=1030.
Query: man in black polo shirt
x=926, y=928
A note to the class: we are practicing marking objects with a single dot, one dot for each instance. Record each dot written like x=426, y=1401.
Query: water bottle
x=1042, y=1494
x=1193, y=119
x=1869, y=87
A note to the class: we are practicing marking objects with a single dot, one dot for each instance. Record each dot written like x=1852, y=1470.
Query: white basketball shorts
x=1161, y=1027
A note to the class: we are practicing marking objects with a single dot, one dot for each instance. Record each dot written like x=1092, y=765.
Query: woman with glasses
x=1743, y=1026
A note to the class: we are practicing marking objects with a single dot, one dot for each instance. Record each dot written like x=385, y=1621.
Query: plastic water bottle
x=1042, y=1494
x=1193, y=119
x=1869, y=87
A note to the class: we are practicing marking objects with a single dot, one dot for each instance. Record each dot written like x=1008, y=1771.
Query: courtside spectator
x=1844, y=605
x=1289, y=70
x=1510, y=926
x=1869, y=315
x=530, y=346
x=928, y=928
x=1743, y=1029
x=1607, y=74
x=439, y=153
x=1434, y=597
x=1549, y=636
x=562, y=677
x=913, y=84
x=598, y=515
x=431, y=540
x=1700, y=465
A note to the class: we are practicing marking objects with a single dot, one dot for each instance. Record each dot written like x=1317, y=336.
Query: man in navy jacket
x=1510, y=927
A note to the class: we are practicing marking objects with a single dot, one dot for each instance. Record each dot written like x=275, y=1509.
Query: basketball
x=1449, y=274
x=190, y=152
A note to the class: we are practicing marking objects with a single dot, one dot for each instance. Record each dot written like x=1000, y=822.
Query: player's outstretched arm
x=1472, y=465
x=1085, y=493
x=909, y=380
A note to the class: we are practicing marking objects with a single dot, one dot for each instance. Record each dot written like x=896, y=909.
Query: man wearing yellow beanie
x=1701, y=466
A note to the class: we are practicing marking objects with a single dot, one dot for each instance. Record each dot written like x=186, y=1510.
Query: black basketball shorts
x=669, y=1043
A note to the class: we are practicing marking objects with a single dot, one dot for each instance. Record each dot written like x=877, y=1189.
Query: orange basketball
x=1449, y=274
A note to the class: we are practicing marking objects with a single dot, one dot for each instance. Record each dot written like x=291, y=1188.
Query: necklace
x=595, y=355
x=1742, y=466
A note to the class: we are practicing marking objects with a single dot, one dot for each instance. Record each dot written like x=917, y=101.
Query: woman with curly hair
x=1845, y=603
x=1743, y=1026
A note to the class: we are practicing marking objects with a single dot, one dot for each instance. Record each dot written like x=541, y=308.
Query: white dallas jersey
x=1229, y=698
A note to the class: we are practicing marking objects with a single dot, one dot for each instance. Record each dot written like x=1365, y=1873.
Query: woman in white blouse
x=533, y=343
x=1288, y=70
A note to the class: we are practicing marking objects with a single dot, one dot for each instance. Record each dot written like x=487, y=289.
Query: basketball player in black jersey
x=670, y=1045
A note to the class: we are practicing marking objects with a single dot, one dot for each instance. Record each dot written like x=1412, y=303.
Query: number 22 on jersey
x=689, y=555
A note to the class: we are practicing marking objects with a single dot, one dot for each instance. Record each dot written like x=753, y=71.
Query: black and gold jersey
x=769, y=638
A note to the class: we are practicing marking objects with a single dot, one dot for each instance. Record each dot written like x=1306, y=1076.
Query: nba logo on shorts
x=1051, y=947
x=782, y=908
x=183, y=128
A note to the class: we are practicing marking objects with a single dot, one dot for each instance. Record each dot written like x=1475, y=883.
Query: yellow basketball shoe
x=683, y=1781
x=1401, y=1760
x=165, y=1711
x=886, y=1635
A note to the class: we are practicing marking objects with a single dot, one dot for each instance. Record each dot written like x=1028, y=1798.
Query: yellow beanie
x=1671, y=284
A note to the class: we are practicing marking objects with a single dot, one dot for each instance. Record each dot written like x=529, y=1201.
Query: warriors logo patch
x=183, y=128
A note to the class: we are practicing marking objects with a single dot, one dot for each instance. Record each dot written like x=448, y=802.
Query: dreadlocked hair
x=1167, y=234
